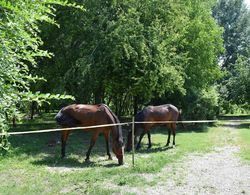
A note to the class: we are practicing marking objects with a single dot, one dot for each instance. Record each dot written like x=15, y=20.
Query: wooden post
x=133, y=141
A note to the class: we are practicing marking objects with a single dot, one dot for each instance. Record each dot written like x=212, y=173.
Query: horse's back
x=161, y=113
x=82, y=114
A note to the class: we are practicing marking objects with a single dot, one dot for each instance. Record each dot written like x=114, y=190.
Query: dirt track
x=219, y=172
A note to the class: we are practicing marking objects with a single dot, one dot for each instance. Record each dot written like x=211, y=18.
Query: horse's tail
x=180, y=118
x=116, y=120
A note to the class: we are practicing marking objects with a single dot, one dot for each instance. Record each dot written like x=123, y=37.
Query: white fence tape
x=116, y=124
x=62, y=129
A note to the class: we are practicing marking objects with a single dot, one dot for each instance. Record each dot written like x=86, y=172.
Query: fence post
x=133, y=141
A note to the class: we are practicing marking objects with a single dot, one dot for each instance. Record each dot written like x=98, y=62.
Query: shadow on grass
x=235, y=125
x=70, y=162
x=38, y=147
x=154, y=149
x=187, y=129
x=234, y=117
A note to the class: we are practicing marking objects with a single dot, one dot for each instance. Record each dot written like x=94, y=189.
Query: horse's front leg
x=92, y=143
x=106, y=136
x=64, y=137
x=139, y=143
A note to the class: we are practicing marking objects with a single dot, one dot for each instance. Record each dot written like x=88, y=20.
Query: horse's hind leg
x=149, y=140
x=106, y=136
x=169, y=134
x=64, y=137
x=174, y=132
x=92, y=143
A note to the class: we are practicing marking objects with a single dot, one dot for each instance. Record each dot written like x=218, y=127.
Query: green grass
x=34, y=168
x=244, y=142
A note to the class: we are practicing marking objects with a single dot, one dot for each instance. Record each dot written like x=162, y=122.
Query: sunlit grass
x=244, y=142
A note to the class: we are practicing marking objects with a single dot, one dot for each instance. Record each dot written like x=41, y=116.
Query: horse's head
x=118, y=150
x=117, y=139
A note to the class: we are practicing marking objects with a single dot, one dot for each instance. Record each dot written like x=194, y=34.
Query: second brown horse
x=152, y=114
x=89, y=115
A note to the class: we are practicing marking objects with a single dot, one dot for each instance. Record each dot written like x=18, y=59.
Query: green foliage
x=239, y=82
x=128, y=53
x=203, y=105
x=19, y=50
x=203, y=43
x=234, y=17
x=235, y=91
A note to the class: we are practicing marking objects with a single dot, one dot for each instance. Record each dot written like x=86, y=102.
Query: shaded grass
x=34, y=168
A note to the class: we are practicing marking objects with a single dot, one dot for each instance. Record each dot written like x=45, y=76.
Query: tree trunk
x=14, y=121
x=135, y=105
x=99, y=94
x=33, y=106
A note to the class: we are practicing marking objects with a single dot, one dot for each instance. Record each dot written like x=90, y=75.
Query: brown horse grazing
x=89, y=115
x=165, y=112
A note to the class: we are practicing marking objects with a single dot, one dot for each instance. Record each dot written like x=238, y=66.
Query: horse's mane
x=119, y=129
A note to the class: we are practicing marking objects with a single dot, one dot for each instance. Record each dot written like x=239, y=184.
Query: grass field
x=33, y=167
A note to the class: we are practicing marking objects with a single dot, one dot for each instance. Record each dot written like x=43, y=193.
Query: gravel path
x=219, y=172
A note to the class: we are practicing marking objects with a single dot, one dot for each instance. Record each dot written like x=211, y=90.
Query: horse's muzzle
x=120, y=161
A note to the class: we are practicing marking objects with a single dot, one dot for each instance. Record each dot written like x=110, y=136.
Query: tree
x=128, y=53
x=203, y=45
x=234, y=17
x=115, y=49
x=239, y=82
x=19, y=50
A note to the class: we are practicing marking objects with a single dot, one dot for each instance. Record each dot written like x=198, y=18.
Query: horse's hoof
x=174, y=146
x=110, y=158
x=87, y=160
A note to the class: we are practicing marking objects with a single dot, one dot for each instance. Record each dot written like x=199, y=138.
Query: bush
x=202, y=105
